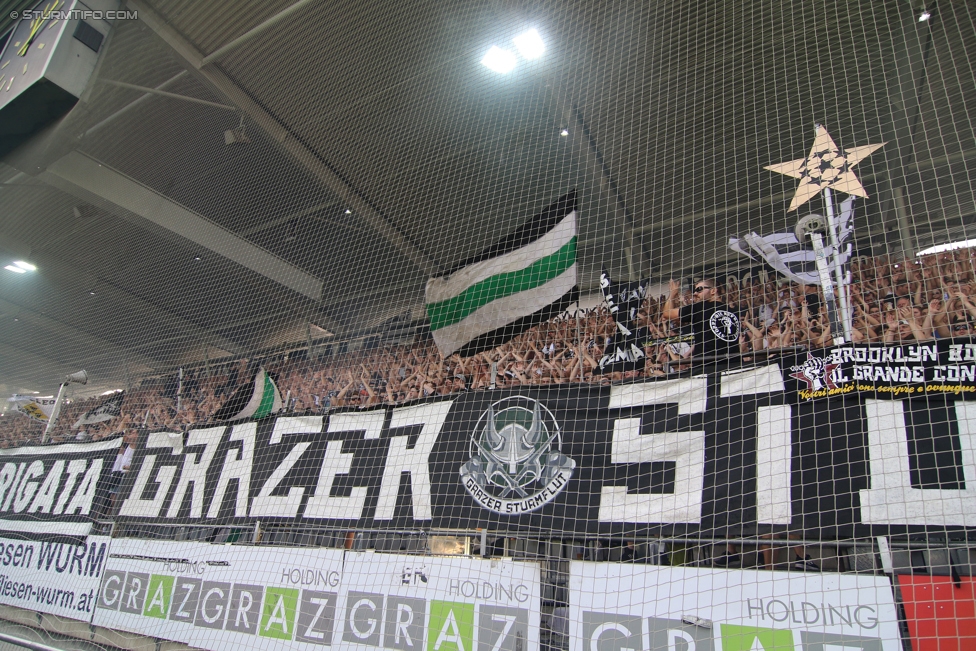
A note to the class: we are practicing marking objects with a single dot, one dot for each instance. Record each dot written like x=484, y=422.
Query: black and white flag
x=107, y=410
x=625, y=352
x=794, y=259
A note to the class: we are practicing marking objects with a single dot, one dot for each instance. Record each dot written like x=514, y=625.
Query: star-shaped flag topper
x=827, y=166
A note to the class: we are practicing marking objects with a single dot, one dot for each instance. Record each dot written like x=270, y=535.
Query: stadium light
x=20, y=267
x=499, y=60
x=530, y=44
x=951, y=246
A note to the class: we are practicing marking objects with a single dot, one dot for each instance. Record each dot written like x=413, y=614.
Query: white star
x=825, y=167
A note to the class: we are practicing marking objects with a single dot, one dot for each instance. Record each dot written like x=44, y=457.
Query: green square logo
x=752, y=638
x=278, y=614
x=451, y=626
x=158, y=596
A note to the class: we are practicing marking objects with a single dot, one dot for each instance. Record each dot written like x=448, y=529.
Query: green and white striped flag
x=524, y=279
x=256, y=399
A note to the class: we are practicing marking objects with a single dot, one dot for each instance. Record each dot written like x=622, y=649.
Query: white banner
x=59, y=578
x=438, y=604
x=621, y=607
x=217, y=596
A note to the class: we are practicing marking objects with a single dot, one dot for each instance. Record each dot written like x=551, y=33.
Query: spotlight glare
x=499, y=60
x=924, y=16
x=14, y=269
x=26, y=266
x=950, y=246
x=530, y=44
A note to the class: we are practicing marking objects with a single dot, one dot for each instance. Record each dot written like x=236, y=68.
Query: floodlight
x=16, y=270
x=564, y=132
x=499, y=60
x=26, y=266
x=951, y=246
x=530, y=44
x=925, y=15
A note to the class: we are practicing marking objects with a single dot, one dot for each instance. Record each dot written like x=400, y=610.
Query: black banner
x=54, y=489
x=943, y=366
x=736, y=452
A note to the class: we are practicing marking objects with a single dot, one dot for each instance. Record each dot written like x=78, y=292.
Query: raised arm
x=669, y=311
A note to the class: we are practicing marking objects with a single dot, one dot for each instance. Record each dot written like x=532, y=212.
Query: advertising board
x=215, y=596
x=439, y=603
x=50, y=576
x=618, y=606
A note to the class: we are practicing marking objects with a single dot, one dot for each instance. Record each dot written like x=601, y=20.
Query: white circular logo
x=515, y=465
x=725, y=325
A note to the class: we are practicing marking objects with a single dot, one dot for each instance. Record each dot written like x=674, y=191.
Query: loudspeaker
x=235, y=136
x=79, y=377
x=809, y=224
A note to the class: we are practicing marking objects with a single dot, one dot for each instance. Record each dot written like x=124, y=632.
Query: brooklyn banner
x=737, y=452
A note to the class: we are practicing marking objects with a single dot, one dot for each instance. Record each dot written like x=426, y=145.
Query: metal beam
x=912, y=45
x=300, y=152
x=33, y=361
x=69, y=279
x=163, y=93
x=284, y=219
x=136, y=304
x=96, y=182
x=131, y=105
x=254, y=31
x=87, y=339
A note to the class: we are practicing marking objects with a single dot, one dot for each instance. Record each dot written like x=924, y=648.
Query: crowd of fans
x=892, y=302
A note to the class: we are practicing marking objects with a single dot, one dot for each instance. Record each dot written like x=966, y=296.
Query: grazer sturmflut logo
x=515, y=465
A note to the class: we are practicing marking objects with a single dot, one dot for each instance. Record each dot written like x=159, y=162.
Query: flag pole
x=179, y=391
x=845, y=316
x=53, y=418
x=811, y=225
x=842, y=300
